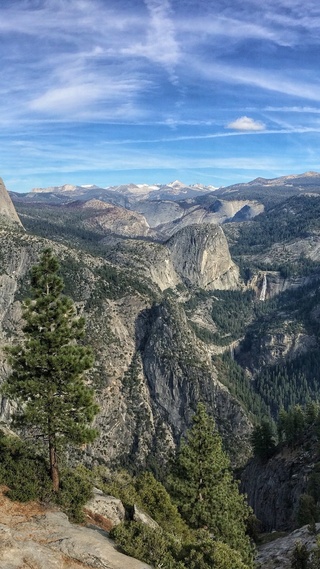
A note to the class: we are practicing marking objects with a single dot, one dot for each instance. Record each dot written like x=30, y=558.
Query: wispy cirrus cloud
x=128, y=78
x=293, y=109
x=86, y=60
x=260, y=78
x=235, y=30
x=159, y=44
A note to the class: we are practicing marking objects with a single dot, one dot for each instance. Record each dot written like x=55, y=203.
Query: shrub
x=307, y=511
x=26, y=473
x=149, y=545
x=23, y=470
x=300, y=557
x=158, y=504
x=204, y=553
x=75, y=491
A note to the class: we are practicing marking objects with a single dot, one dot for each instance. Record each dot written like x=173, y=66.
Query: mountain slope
x=138, y=357
x=272, y=191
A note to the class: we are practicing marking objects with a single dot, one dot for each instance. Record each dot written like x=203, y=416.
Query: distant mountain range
x=160, y=210
x=126, y=195
x=274, y=190
x=267, y=191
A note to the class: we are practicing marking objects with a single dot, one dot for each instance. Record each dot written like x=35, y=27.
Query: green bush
x=161, y=550
x=307, y=511
x=75, y=491
x=121, y=485
x=23, y=470
x=157, y=503
x=300, y=557
x=149, y=545
x=205, y=553
x=152, y=497
x=26, y=474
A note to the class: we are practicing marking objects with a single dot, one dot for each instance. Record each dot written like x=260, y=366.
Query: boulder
x=278, y=553
x=143, y=518
x=105, y=508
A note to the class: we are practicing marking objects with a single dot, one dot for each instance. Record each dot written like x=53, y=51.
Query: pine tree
x=263, y=440
x=203, y=487
x=47, y=367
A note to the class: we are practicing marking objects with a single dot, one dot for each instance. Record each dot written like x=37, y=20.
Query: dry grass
x=98, y=520
x=14, y=513
x=17, y=512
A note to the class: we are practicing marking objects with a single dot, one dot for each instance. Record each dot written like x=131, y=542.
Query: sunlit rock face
x=7, y=209
x=201, y=257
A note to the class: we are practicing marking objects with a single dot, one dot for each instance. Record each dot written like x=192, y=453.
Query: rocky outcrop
x=7, y=209
x=158, y=213
x=282, y=342
x=152, y=261
x=275, y=283
x=216, y=213
x=39, y=539
x=201, y=257
x=107, y=508
x=197, y=256
x=278, y=553
x=179, y=373
x=115, y=219
x=143, y=518
x=274, y=487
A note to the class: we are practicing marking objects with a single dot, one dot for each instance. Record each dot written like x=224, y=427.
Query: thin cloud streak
x=261, y=79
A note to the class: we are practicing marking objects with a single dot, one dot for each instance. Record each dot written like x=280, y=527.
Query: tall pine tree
x=46, y=379
x=205, y=492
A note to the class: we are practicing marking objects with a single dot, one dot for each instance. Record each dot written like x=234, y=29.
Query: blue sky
x=116, y=91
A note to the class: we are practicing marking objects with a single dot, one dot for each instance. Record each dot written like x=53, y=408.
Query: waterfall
x=264, y=288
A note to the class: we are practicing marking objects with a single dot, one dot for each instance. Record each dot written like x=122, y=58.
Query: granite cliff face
x=196, y=256
x=113, y=219
x=179, y=372
x=274, y=487
x=201, y=257
x=8, y=213
x=278, y=553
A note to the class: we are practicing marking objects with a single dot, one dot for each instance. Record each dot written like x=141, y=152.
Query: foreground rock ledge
x=278, y=553
x=49, y=541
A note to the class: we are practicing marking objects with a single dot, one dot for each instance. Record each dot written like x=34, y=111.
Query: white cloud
x=246, y=123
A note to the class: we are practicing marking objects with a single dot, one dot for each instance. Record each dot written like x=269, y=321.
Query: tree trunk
x=54, y=471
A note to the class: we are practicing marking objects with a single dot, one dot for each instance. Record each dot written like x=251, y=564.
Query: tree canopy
x=46, y=379
x=203, y=487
